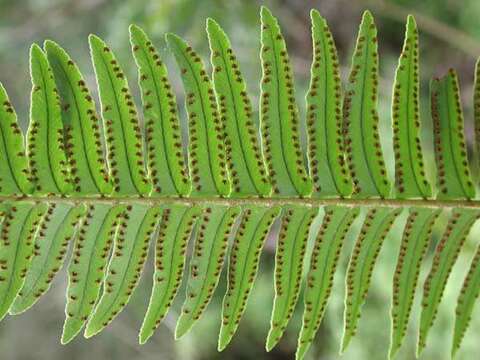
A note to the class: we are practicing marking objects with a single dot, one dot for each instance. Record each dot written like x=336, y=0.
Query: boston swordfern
x=108, y=182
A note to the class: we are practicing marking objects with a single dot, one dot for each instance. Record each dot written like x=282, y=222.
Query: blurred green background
x=450, y=37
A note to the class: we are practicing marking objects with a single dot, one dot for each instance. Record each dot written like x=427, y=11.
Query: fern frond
x=446, y=254
x=476, y=106
x=45, y=138
x=410, y=180
x=206, y=264
x=246, y=163
x=63, y=185
x=326, y=253
x=86, y=271
x=415, y=241
x=176, y=227
x=453, y=173
x=280, y=125
x=208, y=160
x=122, y=130
x=375, y=228
x=243, y=266
x=126, y=264
x=14, y=170
x=326, y=153
x=83, y=137
x=289, y=259
x=466, y=302
x=17, y=239
x=362, y=141
x=166, y=163
x=58, y=227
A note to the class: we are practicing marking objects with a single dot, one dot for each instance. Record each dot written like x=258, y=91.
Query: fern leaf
x=453, y=173
x=206, y=264
x=328, y=246
x=360, y=268
x=58, y=227
x=289, y=257
x=101, y=225
x=279, y=114
x=362, y=142
x=170, y=252
x=17, y=238
x=476, y=106
x=415, y=241
x=165, y=163
x=466, y=302
x=120, y=119
x=328, y=168
x=243, y=266
x=81, y=125
x=14, y=170
x=246, y=163
x=125, y=266
x=208, y=162
x=45, y=140
x=410, y=180
x=445, y=257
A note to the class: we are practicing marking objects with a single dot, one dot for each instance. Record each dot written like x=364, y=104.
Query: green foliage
x=114, y=185
x=243, y=266
x=466, y=301
x=175, y=228
x=360, y=268
x=123, y=134
x=21, y=224
x=453, y=174
x=125, y=265
x=164, y=143
x=86, y=272
x=415, y=241
x=208, y=160
x=323, y=263
x=360, y=116
x=83, y=141
x=246, y=165
x=15, y=178
x=45, y=139
x=446, y=253
x=324, y=116
x=410, y=180
x=51, y=247
x=206, y=264
x=290, y=253
x=279, y=114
